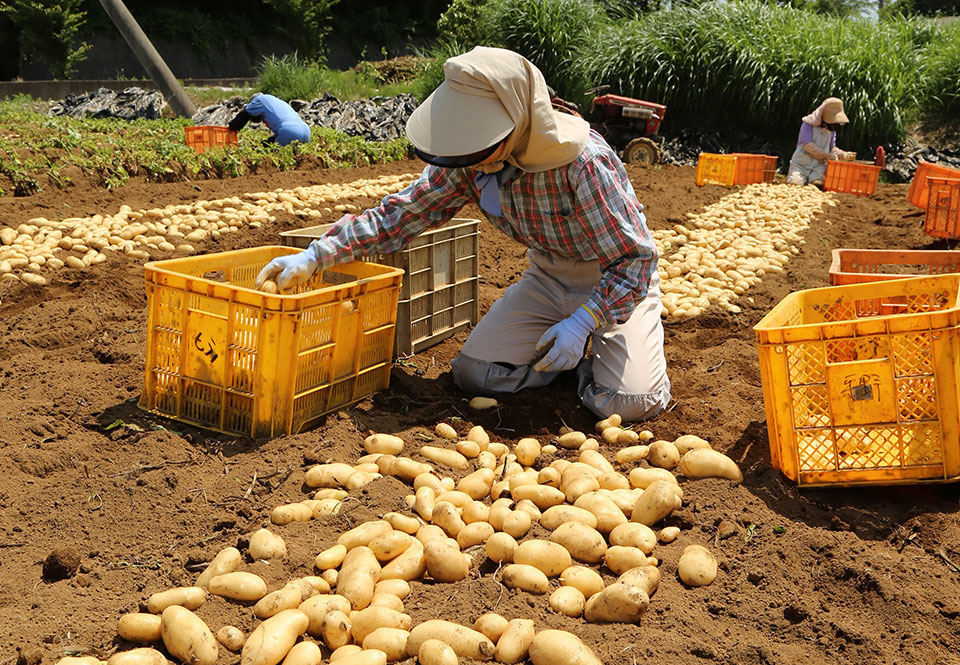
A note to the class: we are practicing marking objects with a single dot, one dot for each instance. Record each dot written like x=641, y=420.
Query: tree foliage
x=47, y=29
x=922, y=8
x=461, y=21
x=308, y=23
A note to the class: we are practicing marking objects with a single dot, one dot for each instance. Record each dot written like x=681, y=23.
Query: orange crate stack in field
x=851, y=177
x=859, y=266
x=943, y=208
x=224, y=356
x=754, y=168
x=204, y=137
x=918, y=195
x=860, y=382
x=715, y=169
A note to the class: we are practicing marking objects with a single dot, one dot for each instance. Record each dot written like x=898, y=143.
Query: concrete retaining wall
x=60, y=89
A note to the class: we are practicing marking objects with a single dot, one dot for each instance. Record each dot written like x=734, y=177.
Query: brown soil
x=813, y=576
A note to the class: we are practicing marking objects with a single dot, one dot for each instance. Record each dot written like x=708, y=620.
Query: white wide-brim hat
x=488, y=96
x=451, y=123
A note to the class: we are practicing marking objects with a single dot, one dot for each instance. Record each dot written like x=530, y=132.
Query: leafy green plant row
x=110, y=151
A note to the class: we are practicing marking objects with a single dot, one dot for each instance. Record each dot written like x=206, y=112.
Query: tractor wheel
x=642, y=151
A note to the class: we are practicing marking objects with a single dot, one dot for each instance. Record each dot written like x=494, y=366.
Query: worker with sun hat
x=490, y=136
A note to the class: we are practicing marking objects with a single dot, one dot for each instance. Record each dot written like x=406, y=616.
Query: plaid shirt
x=585, y=210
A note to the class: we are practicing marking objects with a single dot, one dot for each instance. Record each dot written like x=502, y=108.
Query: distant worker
x=817, y=144
x=285, y=123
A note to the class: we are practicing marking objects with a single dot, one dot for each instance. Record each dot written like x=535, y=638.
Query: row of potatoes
x=596, y=516
x=40, y=244
x=720, y=252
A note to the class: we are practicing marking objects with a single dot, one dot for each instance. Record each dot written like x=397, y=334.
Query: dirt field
x=812, y=576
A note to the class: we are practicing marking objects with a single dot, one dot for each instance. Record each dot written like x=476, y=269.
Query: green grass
x=754, y=66
x=760, y=68
x=208, y=96
x=292, y=77
x=549, y=33
x=941, y=83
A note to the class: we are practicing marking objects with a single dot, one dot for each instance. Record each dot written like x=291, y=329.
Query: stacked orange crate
x=858, y=266
x=943, y=208
x=918, y=186
x=204, y=137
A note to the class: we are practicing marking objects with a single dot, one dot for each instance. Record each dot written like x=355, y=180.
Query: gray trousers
x=627, y=372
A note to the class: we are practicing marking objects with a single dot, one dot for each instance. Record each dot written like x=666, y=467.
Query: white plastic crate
x=440, y=292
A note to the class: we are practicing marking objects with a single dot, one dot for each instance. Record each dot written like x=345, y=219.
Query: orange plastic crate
x=943, y=208
x=918, y=186
x=851, y=177
x=860, y=382
x=204, y=137
x=859, y=266
x=754, y=168
x=715, y=169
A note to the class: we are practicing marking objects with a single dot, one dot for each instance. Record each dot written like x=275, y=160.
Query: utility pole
x=147, y=55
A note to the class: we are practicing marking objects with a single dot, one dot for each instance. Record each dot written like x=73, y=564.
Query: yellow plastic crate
x=716, y=169
x=224, y=356
x=860, y=382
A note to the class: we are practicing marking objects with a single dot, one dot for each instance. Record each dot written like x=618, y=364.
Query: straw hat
x=833, y=111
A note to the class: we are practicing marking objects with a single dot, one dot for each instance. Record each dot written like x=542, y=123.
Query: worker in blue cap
x=285, y=123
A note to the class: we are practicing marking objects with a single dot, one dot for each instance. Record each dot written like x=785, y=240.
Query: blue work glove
x=569, y=337
x=289, y=270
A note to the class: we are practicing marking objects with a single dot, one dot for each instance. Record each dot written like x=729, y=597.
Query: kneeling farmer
x=490, y=136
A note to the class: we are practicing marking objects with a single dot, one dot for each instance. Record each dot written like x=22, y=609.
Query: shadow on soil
x=872, y=513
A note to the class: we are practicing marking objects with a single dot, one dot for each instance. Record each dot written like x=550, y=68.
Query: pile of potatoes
x=40, y=245
x=597, y=516
x=719, y=253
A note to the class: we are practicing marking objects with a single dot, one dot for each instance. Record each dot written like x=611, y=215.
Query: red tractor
x=629, y=125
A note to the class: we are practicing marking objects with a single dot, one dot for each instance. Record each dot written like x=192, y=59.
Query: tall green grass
x=941, y=85
x=761, y=67
x=750, y=65
x=292, y=77
x=549, y=33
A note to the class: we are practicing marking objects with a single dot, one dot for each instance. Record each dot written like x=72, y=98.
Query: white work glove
x=569, y=337
x=289, y=270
